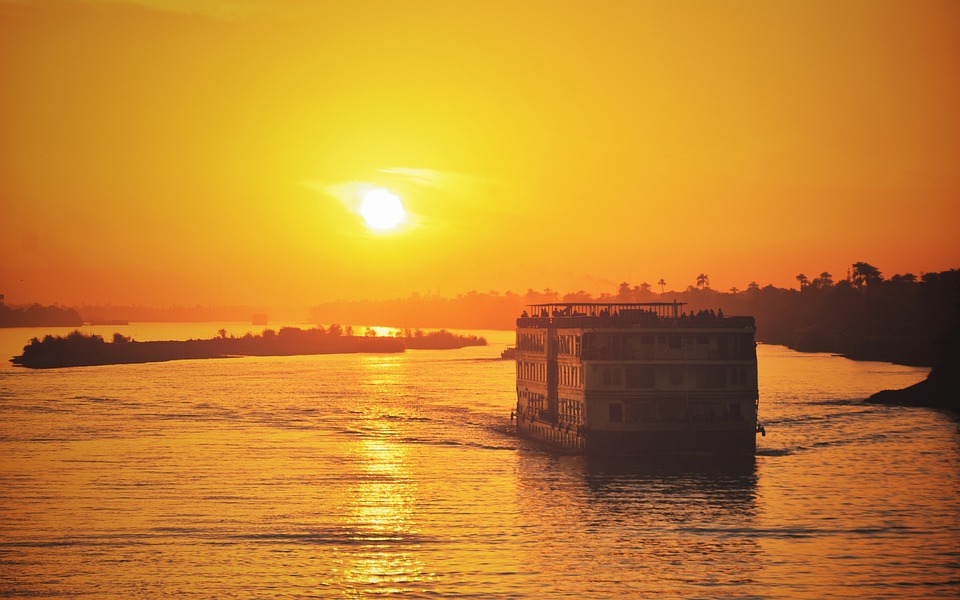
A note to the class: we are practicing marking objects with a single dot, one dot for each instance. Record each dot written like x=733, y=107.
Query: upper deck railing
x=619, y=314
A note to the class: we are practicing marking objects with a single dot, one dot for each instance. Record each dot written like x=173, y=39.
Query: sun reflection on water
x=381, y=514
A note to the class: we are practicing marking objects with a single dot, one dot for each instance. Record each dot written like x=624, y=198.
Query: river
x=379, y=475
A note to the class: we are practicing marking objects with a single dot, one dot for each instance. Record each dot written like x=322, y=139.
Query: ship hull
x=682, y=439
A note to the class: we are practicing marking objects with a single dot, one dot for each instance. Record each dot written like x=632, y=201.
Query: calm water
x=378, y=475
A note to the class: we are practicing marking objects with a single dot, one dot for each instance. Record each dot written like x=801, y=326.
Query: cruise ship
x=637, y=378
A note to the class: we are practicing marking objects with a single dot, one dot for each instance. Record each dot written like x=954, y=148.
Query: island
x=78, y=349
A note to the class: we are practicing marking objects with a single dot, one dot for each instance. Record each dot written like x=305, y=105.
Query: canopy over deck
x=665, y=310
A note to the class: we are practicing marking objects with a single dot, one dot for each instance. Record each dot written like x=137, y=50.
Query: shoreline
x=939, y=393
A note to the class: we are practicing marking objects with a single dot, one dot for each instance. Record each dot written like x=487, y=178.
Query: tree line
x=863, y=315
x=36, y=315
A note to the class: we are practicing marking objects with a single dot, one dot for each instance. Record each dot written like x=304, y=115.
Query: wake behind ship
x=621, y=379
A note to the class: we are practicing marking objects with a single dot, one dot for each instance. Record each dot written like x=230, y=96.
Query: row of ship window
x=567, y=375
x=697, y=412
x=636, y=345
x=648, y=377
x=531, y=342
x=531, y=371
x=568, y=345
x=570, y=411
x=640, y=376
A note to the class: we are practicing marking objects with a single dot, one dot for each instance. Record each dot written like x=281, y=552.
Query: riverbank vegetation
x=864, y=316
x=36, y=315
x=79, y=349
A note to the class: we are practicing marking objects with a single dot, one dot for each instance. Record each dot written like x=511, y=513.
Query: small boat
x=509, y=353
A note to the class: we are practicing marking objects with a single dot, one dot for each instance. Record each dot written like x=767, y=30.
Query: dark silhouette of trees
x=896, y=320
x=579, y=296
x=804, y=282
x=39, y=316
x=825, y=280
x=703, y=281
x=865, y=274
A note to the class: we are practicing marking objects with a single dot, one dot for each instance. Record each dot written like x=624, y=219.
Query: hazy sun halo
x=382, y=209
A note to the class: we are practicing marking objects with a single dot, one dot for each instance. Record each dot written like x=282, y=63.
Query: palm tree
x=661, y=283
x=865, y=274
x=645, y=286
x=703, y=281
x=734, y=290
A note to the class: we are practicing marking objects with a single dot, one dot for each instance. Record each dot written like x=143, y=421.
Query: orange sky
x=192, y=151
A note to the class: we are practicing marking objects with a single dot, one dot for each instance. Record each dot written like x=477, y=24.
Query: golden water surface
x=378, y=475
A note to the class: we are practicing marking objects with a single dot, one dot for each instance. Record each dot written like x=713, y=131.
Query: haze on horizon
x=165, y=151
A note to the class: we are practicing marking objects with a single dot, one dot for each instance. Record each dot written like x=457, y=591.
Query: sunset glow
x=493, y=298
x=155, y=153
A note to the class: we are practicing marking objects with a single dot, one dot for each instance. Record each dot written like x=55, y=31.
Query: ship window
x=735, y=414
x=739, y=376
x=639, y=377
x=616, y=412
x=662, y=341
x=671, y=412
x=611, y=376
x=703, y=412
x=711, y=377
x=675, y=342
x=637, y=412
x=722, y=344
x=703, y=340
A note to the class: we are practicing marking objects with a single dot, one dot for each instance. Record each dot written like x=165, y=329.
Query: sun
x=382, y=209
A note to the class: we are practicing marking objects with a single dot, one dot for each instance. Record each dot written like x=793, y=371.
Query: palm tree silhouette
x=865, y=273
x=703, y=281
x=661, y=283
